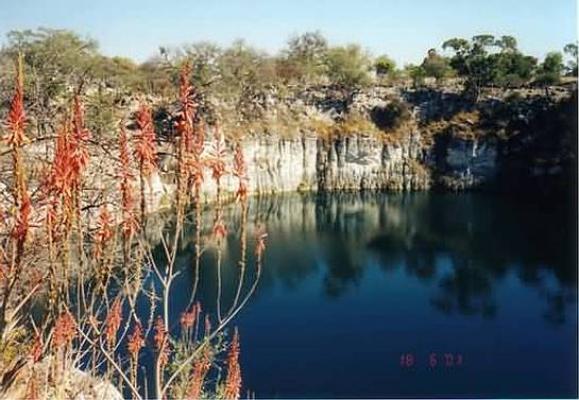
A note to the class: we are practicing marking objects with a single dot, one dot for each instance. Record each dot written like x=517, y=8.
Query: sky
x=403, y=29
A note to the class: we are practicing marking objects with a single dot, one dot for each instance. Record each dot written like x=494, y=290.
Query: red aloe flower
x=217, y=156
x=64, y=330
x=17, y=115
x=23, y=213
x=200, y=370
x=136, y=341
x=240, y=170
x=104, y=232
x=113, y=322
x=188, y=318
x=16, y=138
x=79, y=139
x=129, y=222
x=233, y=380
x=219, y=229
x=145, y=147
x=59, y=178
x=36, y=351
x=161, y=340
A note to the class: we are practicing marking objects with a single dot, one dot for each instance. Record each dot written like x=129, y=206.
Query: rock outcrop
x=442, y=142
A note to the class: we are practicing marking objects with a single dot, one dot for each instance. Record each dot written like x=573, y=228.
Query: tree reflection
x=458, y=245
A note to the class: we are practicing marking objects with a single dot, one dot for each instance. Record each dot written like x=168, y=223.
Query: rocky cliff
x=439, y=141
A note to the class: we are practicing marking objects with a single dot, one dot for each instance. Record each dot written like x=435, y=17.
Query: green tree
x=304, y=57
x=348, y=65
x=416, y=73
x=384, y=65
x=56, y=61
x=436, y=66
x=481, y=65
x=549, y=72
x=204, y=58
x=507, y=44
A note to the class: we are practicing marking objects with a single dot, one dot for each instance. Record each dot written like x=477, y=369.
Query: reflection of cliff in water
x=461, y=245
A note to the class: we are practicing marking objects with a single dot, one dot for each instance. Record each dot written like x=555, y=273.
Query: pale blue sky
x=404, y=29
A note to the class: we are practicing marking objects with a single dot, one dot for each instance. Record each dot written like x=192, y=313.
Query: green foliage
x=436, y=66
x=550, y=70
x=384, y=65
x=348, y=65
x=512, y=69
x=303, y=60
x=486, y=61
x=204, y=58
x=416, y=73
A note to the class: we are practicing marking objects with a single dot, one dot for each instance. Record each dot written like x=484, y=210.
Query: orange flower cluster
x=200, y=370
x=71, y=158
x=17, y=115
x=64, y=330
x=104, y=232
x=188, y=318
x=219, y=229
x=136, y=341
x=78, y=145
x=217, y=156
x=113, y=322
x=191, y=139
x=129, y=222
x=240, y=171
x=161, y=340
x=145, y=147
x=24, y=211
x=16, y=138
x=36, y=351
x=233, y=380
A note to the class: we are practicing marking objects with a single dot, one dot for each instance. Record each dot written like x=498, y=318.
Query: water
x=387, y=295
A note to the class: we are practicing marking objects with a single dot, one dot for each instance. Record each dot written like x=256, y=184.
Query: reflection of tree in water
x=343, y=270
x=467, y=290
x=484, y=236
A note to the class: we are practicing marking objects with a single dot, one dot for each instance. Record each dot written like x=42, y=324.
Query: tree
x=550, y=70
x=436, y=66
x=204, y=59
x=55, y=61
x=481, y=65
x=348, y=65
x=507, y=44
x=305, y=56
x=384, y=65
x=512, y=69
x=416, y=73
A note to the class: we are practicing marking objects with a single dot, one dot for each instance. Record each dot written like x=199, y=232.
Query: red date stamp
x=432, y=360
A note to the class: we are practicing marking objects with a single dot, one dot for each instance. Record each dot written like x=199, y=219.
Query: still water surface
x=387, y=295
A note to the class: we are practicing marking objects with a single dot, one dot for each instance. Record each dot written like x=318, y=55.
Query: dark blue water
x=383, y=295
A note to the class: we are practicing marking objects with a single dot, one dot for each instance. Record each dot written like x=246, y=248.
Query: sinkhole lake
x=399, y=295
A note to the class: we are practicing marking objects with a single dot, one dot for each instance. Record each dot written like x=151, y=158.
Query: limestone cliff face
x=446, y=143
x=360, y=163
